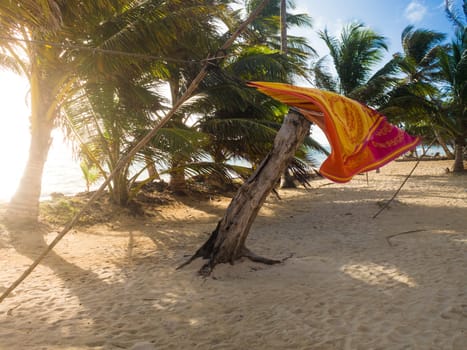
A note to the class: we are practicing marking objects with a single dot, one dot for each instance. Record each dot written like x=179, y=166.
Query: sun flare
x=14, y=131
x=61, y=172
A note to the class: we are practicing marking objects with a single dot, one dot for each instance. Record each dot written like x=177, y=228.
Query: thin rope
x=386, y=205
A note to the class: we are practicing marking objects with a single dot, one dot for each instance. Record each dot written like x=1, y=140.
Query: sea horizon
x=62, y=174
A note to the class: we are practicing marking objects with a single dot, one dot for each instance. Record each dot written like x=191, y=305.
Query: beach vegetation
x=120, y=97
x=350, y=67
x=241, y=122
x=99, y=70
x=30, y=25
x=453, y=71
x=416, y=100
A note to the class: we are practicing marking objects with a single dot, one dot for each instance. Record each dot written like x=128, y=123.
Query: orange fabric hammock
x=361, y=139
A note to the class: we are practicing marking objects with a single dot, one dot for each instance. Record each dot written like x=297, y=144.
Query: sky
x=388, y=18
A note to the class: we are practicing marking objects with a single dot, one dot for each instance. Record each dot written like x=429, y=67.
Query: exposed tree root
x=259, y=259
x=207, y=268
x=207, y=252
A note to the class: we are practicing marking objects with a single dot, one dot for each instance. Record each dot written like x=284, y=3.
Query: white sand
x=346, y=286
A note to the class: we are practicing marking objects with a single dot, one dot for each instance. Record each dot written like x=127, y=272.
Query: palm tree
x=104, y=118
x=266, y=31
x=180, y=34
x=223, y=103
x=185, y=152
x=38, y=37
x=453, y=64
x=416, y=100
x=62, y=43
x=241, y=123
x=354, y=55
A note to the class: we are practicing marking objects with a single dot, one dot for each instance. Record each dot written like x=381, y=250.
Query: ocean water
x=62, y=172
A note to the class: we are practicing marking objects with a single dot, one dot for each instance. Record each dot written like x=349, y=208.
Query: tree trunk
x=24, y=205
x=288, y=180
x=120, y=192
x=151, y=167
x=283, y=19
x=177, y=182
x=443, y=145
x=459, y=155
x=227, y=242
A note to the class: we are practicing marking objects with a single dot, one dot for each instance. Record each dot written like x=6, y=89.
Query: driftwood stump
x=227, y=242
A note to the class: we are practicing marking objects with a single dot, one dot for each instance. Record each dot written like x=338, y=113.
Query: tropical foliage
x=39, y=36
x=415, y=99
x=453, y=70
x=107, y=72
x=121, y=90
x=421, y=88
x=355, y=54
x=430, y=96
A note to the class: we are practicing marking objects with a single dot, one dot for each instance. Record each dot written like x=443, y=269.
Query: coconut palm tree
x=94, y=44
x=453, y=64
x=242, y=124
x=266, y=31
x=354, y=54
x=224, y=99
x=103, y=120
x=163, y=41
x=416, y=100
x=37, y=40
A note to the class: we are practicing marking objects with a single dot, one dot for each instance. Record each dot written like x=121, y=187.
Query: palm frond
x=354, y=54
x=322, y=77
x=457, y=17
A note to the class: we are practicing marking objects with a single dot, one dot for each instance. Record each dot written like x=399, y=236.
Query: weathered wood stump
x=227, y=242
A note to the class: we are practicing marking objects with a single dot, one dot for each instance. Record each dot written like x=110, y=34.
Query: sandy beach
x=398, y=281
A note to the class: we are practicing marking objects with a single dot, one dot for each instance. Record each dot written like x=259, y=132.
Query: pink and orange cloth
x=361, y=139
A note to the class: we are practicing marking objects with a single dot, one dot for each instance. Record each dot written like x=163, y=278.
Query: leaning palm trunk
x=227, y=242
x=443, y=145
